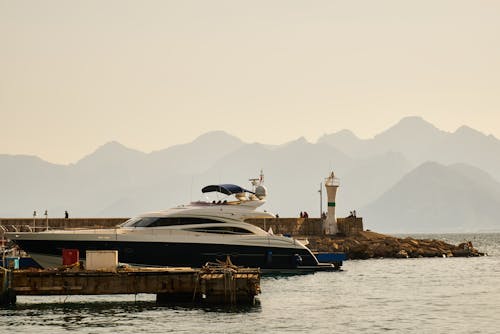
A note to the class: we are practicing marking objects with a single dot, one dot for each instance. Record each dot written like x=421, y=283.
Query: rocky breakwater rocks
x=366, y=244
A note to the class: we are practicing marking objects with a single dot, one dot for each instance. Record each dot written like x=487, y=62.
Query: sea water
x=426, y=295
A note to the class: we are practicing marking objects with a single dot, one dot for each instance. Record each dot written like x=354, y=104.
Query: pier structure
x=210, y=284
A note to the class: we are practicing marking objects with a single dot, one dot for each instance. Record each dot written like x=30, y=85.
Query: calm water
x=438, y=295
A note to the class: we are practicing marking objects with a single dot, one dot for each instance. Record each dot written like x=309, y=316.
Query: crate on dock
x=70, y=256
x=104, y=260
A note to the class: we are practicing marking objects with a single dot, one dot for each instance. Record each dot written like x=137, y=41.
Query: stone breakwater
x=367, y=245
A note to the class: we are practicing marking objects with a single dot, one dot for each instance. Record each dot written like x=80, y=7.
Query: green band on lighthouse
x=331, y=203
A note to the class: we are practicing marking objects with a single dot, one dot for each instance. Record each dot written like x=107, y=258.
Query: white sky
x=151, y=74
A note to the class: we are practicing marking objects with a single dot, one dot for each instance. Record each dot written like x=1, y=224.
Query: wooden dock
x=211, y=284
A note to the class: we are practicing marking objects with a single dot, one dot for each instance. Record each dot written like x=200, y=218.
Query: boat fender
x=298, y=259
x=269, y=257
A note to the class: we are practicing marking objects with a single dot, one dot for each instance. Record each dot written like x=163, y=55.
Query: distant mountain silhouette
x=438, y=198
x=112, y=164
x=410, y=136
x=28, y=183
x=346, y=141
x=420, y=141
x=196, y=156
x=118, y=181
x=376, y=176
x=109, y=154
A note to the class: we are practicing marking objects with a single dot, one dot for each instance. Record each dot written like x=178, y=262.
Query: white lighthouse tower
x=330, y=224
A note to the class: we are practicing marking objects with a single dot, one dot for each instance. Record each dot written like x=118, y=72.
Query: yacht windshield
x=221, y=230
x=139, y=222
x=166, y=221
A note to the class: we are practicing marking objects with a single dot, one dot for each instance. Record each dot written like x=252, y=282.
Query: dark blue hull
x=180, y=254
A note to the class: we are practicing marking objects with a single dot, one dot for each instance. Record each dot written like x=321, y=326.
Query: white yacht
x=184, y=236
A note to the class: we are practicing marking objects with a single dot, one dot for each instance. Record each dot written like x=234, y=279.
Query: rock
x=369, y=244
x=412, y=241
x=382, y=250
x=460, y=253
x=402, y=254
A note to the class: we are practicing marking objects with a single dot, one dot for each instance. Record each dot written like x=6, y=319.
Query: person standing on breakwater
x=66, y=215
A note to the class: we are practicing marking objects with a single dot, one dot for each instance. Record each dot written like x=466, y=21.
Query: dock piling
x=7, y=294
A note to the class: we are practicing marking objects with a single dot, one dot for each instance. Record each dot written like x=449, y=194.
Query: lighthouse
x=330, y=223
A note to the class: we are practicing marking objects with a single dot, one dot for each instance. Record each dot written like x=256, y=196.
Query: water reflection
x=72, y=315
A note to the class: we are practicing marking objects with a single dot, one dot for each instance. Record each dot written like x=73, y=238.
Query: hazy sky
x=150, y=74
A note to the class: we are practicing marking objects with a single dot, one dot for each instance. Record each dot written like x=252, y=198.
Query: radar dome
x=261, y=192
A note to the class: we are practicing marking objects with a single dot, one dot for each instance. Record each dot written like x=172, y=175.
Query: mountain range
x=413, y=177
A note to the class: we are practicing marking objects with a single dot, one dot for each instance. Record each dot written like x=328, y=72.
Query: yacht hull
x=48, y=253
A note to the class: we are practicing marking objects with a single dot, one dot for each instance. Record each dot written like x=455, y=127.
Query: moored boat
x=186, y=236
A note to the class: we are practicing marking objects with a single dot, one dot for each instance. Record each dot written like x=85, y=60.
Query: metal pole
x=3, y=251
x=34, y=221
x=47, y=220
x=320, y=199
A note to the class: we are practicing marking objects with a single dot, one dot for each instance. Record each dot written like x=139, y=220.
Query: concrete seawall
x=289, y=226
x=40, y=224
